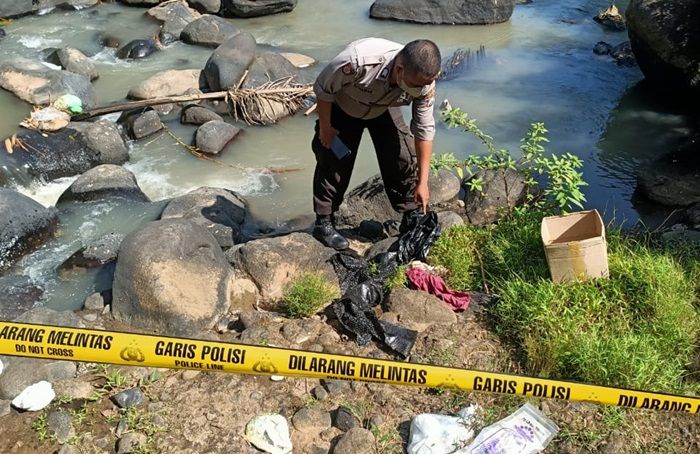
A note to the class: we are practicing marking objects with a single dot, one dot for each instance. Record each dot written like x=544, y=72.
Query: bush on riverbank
x=307, y=294
x=636, y=329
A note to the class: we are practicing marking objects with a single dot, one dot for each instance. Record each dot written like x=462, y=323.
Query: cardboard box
x=575, y=246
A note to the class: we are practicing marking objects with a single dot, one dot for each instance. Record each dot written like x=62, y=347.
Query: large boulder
x=36, y=83
x=175, y=16
x=104, y=181
x=103, y=138
x=501, y=191
x=674, y=179
x=73, y=60
x=24, y=225
x=269, y=66
x=173, y=82
x=228, y=62
x=465, y=12
x=208, y=30
x=70, y=151
x=255, y=8
x=14, y=8
x=18, y=294
x=664, y=35
x=221, y=211
x=21, y=372
x=213, y=136
x=274, y=263
x=171, y=278
x=99, y=252
x=367, y=202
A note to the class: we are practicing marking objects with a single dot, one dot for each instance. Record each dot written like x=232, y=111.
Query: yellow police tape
x=53, y=342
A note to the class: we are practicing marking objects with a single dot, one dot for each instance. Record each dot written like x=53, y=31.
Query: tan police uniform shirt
x=358, y=81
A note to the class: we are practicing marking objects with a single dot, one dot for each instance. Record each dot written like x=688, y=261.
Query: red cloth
x=422, y=280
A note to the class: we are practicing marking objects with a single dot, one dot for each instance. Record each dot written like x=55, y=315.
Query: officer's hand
x=325, y=135
x=422, y=197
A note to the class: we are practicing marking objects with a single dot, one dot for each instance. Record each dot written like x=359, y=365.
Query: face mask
x=413, y=91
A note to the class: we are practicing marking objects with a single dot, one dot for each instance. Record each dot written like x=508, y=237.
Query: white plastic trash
x=269, y=433
x=2, y=367
x=47, y=119
x=526, y=431
x=35, y=397
x=441, y=434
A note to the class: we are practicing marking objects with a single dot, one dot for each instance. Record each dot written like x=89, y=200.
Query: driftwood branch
x=251, y=105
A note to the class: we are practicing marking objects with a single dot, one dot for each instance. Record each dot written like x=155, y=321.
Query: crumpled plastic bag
x=35, y=397
x=442, y=434
x=69, y=103
x=525, y=431
x=47, y=119
x=269, y=433
x=420, y=236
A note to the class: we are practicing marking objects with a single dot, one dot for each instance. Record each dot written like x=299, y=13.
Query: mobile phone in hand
x=339, y=149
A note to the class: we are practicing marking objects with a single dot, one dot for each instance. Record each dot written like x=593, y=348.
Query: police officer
x=364, y=87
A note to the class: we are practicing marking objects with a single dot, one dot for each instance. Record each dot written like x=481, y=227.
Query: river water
x=539, y=66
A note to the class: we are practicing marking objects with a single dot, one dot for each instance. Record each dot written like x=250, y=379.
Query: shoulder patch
x=347, y=69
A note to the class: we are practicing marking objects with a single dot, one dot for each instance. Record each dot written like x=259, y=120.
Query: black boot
x=326, y=234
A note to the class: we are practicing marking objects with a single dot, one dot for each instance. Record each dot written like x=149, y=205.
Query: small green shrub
x=307, y=294
x=397, y=279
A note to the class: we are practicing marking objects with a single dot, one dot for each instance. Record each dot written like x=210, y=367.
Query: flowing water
x=539, y=67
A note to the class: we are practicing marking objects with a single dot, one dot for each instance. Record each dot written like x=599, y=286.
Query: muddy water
x=539, y=67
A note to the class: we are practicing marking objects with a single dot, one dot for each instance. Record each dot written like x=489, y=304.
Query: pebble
x=68, y=449
x=311, y=418
x=336, y=386
x=345, y=419
x=89, y=317
x=320, y=393
x=60, y=424
x=94, y=302
x=129, y=398
x=376, y=421
x=5, y=408
x=122, y=427
x=355, y=441
x=276, y=377
x=130, y=441
x=35, y=397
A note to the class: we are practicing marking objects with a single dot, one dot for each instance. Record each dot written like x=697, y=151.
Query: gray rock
x=602, y=48
x=419, y=309
x=18, y=294
x=208, y=30
x=464, y=12
x=130, y=398
x=122, y=427
x=34, y=82
x=500, y=190
x=27, y=228
x=444, y=186
x=197, y=115
x=335, y=387
x=102, y=182
x=173, y=82
x=355, y=441
x=214, y=135
x=673, y=179
x=140, y=124
x=149, y=290
x=311, y=419
x=368, y=201
x=693, y=215
x=14, y=8
x=175, y=16
x=138, y=48
x=68, y=449
x=376, y=421
x=660, y=33
x=99, y=252
x=5, y=407
x=103, y=138
x=130, y=442
x=320, y=393
x=269, y=66
x=75, y=61
x=273, y=263
x=206, y=6
x=344, y=419
x=229, y=61
x=385, y=245
x=449, y=219
x=623, y=55
x=45, y=316
x=255, y=8
x=221, y=211
x=610, y=20
x=60, y=424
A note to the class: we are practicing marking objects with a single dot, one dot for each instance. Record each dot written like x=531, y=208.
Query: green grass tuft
x=307, y=294
x=637, y=329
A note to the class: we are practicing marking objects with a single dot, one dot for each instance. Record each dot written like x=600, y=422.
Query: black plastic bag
x=416, y=242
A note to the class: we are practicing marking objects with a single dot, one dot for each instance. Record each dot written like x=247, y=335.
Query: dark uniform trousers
x=396, y=155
